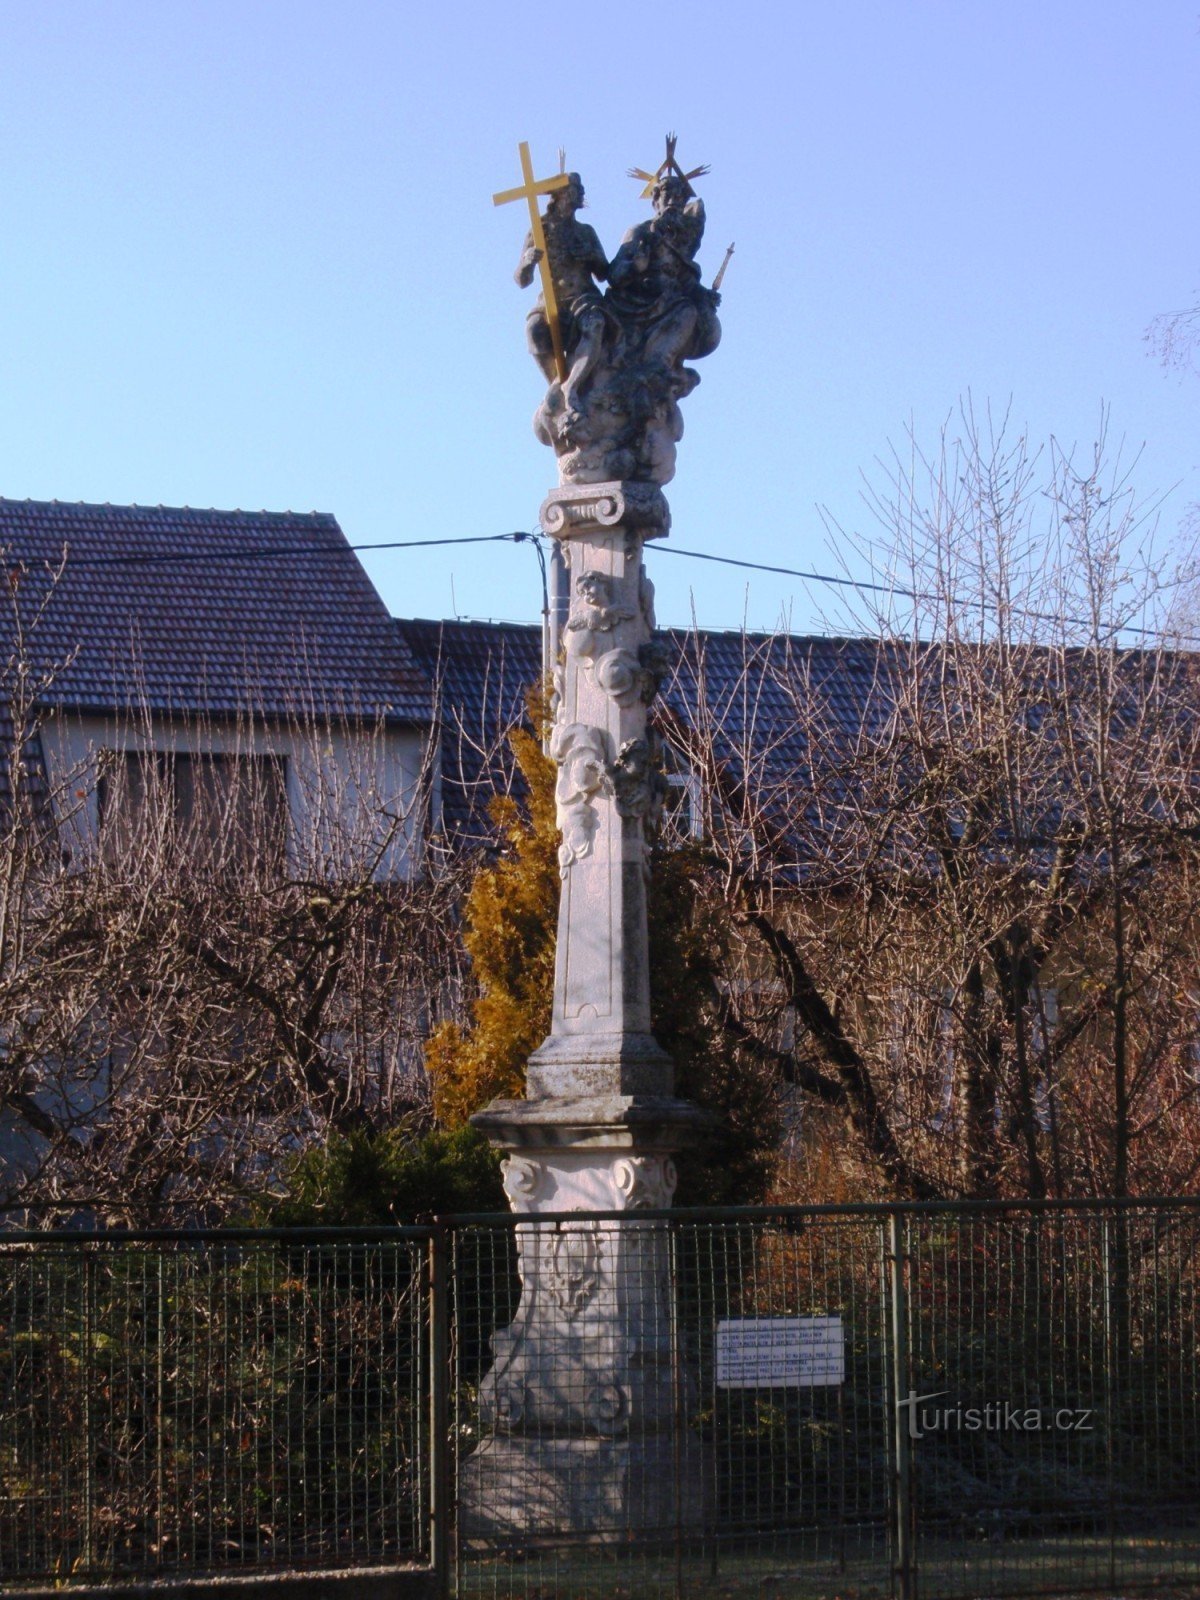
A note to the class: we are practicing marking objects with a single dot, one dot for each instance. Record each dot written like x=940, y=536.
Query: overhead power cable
x=269, y=552
x=898, y=590
x=789, y=572
x=520, y=536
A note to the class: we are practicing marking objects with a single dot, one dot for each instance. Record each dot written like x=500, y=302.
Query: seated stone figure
x=656, y=294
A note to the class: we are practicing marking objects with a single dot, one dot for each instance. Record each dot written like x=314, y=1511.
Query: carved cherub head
x=594, y=588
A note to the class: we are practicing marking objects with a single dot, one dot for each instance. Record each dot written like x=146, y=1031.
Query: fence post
x=160, y=1398
x=87, y=1356
x=1106, y=1267
x=904, y=1573
x=439, y=1409
x=677, y=1397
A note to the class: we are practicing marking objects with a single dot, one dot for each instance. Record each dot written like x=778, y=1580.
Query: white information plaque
x=780, y=1352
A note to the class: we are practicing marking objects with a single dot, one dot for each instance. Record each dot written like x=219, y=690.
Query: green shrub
x=366, y=1179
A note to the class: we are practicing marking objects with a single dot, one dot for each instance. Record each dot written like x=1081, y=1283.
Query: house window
x=229, y=808
x=683, y=817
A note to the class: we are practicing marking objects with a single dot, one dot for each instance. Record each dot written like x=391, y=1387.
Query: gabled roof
x=216, y=612
x=780, y=713
x=481, y=672
x=746, y=682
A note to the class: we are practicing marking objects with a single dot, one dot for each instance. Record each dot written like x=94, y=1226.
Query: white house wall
x=344, y=784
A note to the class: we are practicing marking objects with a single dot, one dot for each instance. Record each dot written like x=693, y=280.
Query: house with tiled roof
x=196, y=638
x=742, y=691
x=745, y=707
x=480, y=674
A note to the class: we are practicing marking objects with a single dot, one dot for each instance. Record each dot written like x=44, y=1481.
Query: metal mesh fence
x=214, y=1401
x=1060, y=1445
x=864, y=1401
x=617, y=1444
x=822, y=1403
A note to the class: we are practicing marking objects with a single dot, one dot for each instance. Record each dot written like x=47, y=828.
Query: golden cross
x=529, y=190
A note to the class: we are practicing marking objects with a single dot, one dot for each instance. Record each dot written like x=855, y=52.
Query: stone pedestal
x=584, y=1408
x=584, y=1411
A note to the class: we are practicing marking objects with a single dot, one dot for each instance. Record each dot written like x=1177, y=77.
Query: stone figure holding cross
x=576, y=261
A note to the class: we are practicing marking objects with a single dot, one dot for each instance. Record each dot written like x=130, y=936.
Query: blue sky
x=250, y=257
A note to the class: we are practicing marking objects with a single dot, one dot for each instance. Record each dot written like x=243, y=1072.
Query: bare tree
x=966, y=901
x=209, y=978
x=1174, y=337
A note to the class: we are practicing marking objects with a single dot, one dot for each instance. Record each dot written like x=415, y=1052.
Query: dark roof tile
x=218, y=612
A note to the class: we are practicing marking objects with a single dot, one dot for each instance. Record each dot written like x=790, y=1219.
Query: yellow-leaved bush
x=510, y=918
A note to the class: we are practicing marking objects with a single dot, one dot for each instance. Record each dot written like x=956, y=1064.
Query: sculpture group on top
x=616, y=378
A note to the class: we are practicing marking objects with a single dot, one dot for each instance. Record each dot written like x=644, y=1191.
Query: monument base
x=585, y=1410
x=522, y=1486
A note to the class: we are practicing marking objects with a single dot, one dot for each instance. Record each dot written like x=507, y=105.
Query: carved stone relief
x=593, y=613
x=636, y=780
x=574, y=1267
x=645, y=1183
x=619, y=674
x=581, y=754
x=628, y=676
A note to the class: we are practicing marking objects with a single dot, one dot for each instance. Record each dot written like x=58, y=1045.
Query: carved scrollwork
x=576, y=507
x=645, y=1183
x=560, y=516
x=607, y=1408
x=581, y=754
x=522, y=1180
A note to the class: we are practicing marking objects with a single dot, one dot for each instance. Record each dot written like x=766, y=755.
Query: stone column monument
x=581, y=1405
